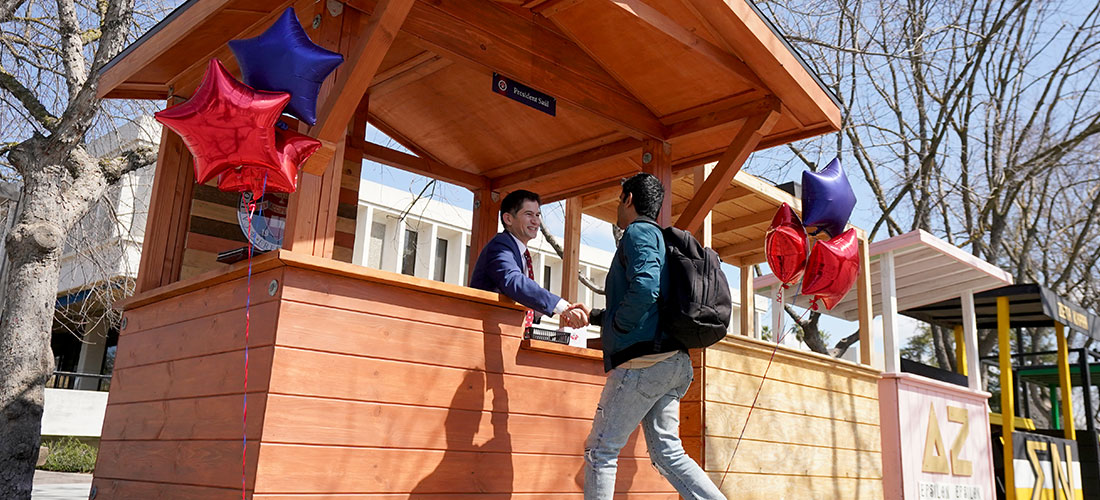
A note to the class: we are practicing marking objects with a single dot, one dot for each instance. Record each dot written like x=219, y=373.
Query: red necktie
x=530, y=318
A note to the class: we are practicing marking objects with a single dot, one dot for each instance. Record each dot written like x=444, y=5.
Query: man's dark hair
x=515, y=200
x=647, y=193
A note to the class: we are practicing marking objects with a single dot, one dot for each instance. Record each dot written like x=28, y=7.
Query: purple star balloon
x=284, y=59
x=827, y=199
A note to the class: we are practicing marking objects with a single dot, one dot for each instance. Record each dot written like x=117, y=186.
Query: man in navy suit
x=504, y=265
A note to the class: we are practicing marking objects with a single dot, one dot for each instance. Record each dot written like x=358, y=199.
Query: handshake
x=575, y=316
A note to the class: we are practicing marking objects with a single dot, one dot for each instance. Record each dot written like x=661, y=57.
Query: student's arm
x=643, y=276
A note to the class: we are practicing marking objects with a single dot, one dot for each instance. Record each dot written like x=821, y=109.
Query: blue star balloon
x=827, y=199
x=284, y=59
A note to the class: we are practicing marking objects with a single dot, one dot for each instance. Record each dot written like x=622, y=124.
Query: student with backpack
x=650, y=370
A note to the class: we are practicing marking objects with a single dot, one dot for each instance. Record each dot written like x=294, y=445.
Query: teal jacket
x=629, y=324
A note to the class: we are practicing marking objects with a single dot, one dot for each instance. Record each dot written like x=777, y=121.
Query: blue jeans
x=650, y=396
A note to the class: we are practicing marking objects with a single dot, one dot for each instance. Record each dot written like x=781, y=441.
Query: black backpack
x=696, y=305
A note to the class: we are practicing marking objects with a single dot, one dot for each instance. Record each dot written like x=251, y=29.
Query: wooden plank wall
x=173, y=425
x=382, y=392
x=814, y=433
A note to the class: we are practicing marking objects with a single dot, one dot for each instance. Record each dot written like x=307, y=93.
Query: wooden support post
x=890, y=347
x=1008, y=410
x=866, y=312
x=313, y=208
x=960, y=350
x=705, y=233
x=169, y=215
x=657, y=160
x=1070, y=430
x=748, y=306
x=970, y=332
x=353, y=80
x=571, y=261
x=485, y=223
x=746, y=140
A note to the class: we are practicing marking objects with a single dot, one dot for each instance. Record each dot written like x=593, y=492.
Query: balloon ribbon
x=247, y=327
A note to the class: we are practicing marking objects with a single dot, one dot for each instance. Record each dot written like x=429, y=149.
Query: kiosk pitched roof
x=685, y=72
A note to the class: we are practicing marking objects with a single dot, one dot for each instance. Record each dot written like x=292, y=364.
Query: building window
x=440, y=259
x=377, y=238
x=408, y=260
x=546, y=274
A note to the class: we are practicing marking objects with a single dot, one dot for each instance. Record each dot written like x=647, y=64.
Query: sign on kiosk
x=944, y=442
x=1046, y=467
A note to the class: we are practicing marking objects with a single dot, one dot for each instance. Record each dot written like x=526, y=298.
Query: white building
x=431, y=239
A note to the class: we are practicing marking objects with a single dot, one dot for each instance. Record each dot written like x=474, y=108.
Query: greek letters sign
x=939, y=447
x=1046, y=467
x=523, y=94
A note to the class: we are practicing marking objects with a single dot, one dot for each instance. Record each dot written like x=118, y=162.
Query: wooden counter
x=362, y=384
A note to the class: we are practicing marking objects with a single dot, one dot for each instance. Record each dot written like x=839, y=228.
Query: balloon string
x=247, y=328
x=744, y=426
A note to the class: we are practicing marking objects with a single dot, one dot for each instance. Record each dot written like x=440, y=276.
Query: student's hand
x=576, y=316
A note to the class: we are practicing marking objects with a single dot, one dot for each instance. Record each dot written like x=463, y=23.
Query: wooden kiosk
x=935, y=428
x=370, y=384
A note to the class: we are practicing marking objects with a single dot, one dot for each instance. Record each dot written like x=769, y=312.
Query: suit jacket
x=500, y=269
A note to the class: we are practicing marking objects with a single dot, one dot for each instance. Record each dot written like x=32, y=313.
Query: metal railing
x=67, y=380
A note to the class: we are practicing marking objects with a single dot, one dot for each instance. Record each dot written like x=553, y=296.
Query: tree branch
x=561, y=255
x=28, y=99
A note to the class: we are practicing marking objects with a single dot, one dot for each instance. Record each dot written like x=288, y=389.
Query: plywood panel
x=197, y=463
x=792, y=368
x=292, y=419
x=727, y=421
x=214, y=375
x=200, y=336
x=356, y=295
x=291, y=468
x=739, y=389
x=365, y=379
x=770, y=457
x=208, y=418
x=122, y=489
x=781, y=487
x=314, y=327
x=207, y=301
x=813, y=432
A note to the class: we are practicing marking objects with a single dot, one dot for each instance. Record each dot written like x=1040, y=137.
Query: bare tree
x=50, y=58
x=978, y=122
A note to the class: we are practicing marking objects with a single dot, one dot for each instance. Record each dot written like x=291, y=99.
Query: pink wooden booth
x=935, y=434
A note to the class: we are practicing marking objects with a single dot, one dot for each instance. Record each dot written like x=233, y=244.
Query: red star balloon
x=227, y=124
x=294, y=149
x=785, y=245
x=832, y=269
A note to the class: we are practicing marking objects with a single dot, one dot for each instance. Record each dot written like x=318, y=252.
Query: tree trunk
x=34, y=249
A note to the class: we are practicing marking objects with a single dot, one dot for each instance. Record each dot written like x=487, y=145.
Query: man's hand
x=576, y=316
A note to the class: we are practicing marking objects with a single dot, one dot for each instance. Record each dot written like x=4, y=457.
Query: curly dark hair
x=647, y=193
